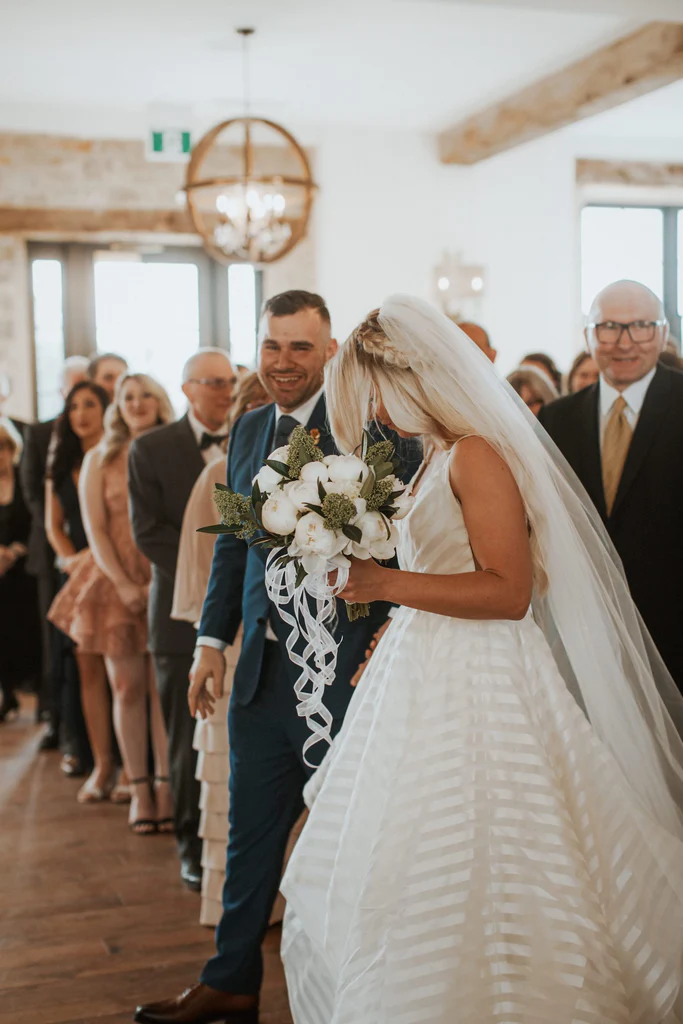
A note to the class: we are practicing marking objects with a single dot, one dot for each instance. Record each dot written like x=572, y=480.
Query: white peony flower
x=314, y=471
x=268, y=479
x=347, y=468
x=280, y=454
x=302, y=493
x=373, y=526
x=403, y=504
x=314, y=539
x=279, y=514
x=351, y=488
x=361, y=508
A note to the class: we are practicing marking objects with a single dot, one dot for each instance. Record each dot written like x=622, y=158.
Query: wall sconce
x=458, y=283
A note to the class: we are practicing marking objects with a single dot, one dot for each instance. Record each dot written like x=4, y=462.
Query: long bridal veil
x=586, y=612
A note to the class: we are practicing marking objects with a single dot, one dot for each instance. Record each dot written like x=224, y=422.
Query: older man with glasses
x=163, y=466
x=624, y=438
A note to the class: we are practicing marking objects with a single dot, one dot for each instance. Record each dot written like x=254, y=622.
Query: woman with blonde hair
x=496, y=833
x=103, y=607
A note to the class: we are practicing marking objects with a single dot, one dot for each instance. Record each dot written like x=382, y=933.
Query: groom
x=267, y=771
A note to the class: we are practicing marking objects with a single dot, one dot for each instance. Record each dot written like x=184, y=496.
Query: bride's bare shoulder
x=473, y=460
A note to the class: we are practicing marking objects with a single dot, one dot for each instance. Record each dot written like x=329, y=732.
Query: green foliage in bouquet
x=302, y=450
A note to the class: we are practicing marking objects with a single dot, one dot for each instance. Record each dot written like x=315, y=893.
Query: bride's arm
x=496, y=524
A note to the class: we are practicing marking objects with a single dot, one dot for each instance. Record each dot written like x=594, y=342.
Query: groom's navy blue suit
x=267, y=772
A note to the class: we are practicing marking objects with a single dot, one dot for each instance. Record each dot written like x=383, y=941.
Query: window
x=636, y=242
x=149, y=314
x=153, y=305
x=48, y=330
x=242, y=306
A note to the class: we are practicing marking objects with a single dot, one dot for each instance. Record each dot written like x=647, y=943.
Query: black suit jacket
x=41, y=557
x=163, y=466
x=646, y=523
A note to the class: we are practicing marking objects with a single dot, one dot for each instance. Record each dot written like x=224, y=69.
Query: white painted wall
x=382, y=218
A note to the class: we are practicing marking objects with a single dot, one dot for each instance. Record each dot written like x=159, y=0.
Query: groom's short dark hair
x=291, y=302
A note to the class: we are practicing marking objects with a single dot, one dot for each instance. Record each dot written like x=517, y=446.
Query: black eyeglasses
x=641, y=332
x=216, y=383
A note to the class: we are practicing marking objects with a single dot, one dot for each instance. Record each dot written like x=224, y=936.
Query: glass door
x=154, y=306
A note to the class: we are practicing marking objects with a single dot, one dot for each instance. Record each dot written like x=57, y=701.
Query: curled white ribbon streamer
x=318, y=661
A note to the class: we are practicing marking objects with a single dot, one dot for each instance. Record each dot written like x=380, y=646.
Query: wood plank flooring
x=93, y=919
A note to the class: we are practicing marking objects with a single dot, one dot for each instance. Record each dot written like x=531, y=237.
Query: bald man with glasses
x=624, y=439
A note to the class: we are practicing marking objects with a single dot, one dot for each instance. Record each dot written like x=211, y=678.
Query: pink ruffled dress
x=88, y=608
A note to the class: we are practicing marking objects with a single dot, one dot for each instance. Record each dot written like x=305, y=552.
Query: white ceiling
x=413, y=64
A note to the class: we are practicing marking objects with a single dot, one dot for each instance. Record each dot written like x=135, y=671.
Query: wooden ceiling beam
x=639, y=63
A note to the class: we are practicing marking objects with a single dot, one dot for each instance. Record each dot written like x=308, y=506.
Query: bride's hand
x=365, y=582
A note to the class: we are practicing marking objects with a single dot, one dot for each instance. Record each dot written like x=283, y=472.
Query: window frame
x=670, y=211
x=78, y=291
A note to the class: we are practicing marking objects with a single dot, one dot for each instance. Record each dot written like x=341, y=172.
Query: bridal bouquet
x=319, y=510
x=315, y=512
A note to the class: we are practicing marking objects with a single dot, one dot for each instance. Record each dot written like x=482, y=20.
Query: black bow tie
x=208, y=440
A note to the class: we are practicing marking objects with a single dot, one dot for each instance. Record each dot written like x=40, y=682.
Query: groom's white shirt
x=303, y=415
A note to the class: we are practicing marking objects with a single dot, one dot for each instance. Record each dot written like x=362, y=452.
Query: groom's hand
x=208, y=663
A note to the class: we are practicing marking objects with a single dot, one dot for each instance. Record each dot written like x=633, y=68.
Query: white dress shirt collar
x=198, y=429
x=633, y=395
x=304, y=412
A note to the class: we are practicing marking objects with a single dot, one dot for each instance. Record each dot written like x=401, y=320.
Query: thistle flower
x=338, y=511
x=380, y=493
x=382, y=451
x=302, y=450
x=235, y=510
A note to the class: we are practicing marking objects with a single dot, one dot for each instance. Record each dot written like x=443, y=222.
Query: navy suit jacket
x=237, y=591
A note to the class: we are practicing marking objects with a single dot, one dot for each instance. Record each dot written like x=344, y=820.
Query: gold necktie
x=615, y=445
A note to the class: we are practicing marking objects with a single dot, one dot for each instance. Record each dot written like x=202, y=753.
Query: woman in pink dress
x=103, y=606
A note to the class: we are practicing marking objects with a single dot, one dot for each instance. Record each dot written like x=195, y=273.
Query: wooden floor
x=93, y=919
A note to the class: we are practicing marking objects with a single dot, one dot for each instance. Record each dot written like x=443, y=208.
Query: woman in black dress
x=76, y=431
x=19, y=626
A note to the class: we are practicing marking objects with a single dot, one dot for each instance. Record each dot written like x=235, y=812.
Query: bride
x=494, y=836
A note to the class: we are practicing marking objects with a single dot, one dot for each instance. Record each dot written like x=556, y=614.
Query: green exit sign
x=171, y=144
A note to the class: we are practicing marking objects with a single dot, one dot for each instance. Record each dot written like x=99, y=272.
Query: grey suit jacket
x=163, y=466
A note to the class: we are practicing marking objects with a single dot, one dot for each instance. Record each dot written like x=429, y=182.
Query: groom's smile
x=292, y=356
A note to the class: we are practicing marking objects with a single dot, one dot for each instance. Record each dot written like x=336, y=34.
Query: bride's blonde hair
x=369, y=365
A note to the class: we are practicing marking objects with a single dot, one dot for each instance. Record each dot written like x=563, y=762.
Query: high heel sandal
x=166, y=826
x=91, y=793
x=142, y=826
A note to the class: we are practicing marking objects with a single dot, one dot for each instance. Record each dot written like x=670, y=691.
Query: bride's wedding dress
x=474, y=853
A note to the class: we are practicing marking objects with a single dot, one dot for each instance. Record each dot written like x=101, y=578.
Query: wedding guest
x=105, y=369
x=623, y=437
x=533, y=387
x=480, y=338
x=103, y=606
x=671, y=359
x=40, y=561
x=163, y=467
x=77, y=430
x=19, y=654
x=545, y=365
x=584, y=372
x=211, y=734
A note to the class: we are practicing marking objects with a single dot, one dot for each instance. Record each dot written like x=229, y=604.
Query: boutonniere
x=315, y=436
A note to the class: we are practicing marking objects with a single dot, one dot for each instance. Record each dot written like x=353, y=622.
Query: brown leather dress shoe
x=201, y=1005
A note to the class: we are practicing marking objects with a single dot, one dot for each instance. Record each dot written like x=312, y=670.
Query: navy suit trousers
x=267, y=776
